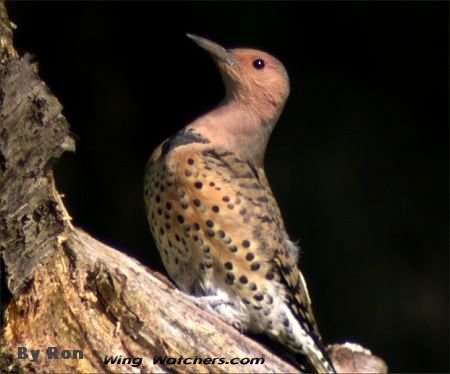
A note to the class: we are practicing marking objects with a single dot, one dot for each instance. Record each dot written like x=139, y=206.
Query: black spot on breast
x=249, y=256
x=243, y=279
x=255, y=266
x=232, y=248
x=258, y=297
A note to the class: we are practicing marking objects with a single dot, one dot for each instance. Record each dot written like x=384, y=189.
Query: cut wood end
x=353, y=358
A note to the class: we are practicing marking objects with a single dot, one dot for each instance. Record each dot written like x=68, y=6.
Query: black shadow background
x=358, y=162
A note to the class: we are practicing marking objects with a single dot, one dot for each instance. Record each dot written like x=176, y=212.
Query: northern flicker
x=214, y=219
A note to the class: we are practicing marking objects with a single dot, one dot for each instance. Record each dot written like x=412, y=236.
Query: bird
x=216, y=223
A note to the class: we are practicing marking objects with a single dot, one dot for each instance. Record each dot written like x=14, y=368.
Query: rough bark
x=69, y=291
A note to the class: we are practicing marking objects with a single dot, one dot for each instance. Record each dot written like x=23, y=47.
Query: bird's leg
x=210, y=302
x=221, y=307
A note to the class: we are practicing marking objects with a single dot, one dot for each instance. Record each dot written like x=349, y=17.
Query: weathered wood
x=94, y=298
x=72, y=292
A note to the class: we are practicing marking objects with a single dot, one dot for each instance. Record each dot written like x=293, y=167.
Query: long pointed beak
x=215, y=50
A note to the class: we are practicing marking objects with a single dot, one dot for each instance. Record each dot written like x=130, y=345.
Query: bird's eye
x=259, y=64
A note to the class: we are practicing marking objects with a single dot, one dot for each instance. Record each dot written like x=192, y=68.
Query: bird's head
x=254, y=78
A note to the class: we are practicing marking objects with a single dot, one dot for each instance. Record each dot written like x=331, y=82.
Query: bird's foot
x=221, y=307
x=210, y=302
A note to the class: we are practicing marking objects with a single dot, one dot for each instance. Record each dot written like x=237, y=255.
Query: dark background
x=358, y=162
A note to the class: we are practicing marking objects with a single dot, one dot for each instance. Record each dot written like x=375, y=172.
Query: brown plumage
x=213, y=215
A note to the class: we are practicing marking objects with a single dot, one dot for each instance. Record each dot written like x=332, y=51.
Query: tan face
x=253, y=77
x=256, y=76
